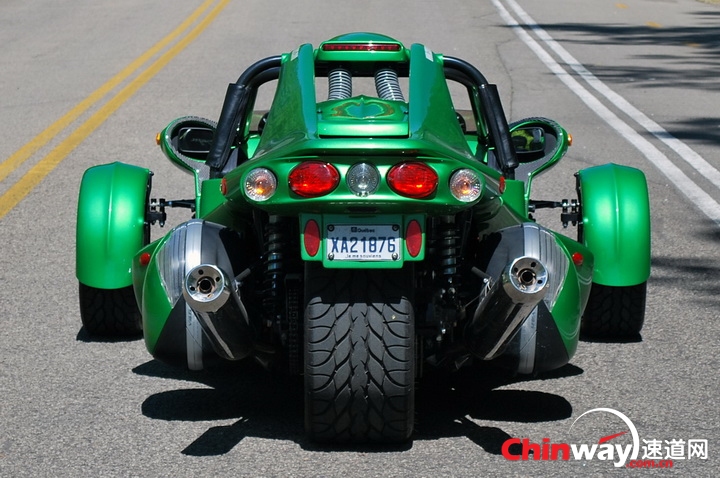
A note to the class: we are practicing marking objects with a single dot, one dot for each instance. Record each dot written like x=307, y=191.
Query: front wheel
x=359, y=355
x=614, y=313
x=109, y=313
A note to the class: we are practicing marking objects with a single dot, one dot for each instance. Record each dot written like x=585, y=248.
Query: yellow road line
x=22, y=154
x=38, y=172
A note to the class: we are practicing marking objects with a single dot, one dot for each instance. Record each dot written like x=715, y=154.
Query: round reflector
x=578, y=259
x=313, y=179
x=144, y=259
x=415, y=180
x=413, y=238
x=311, y=237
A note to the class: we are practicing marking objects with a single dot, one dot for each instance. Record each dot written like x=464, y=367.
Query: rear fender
x=111, y=226
x=616, y=223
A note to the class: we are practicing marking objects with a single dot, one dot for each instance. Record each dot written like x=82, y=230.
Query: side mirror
x=195, y=141
x=530, y=140
x=187, y=141
x=539, y=144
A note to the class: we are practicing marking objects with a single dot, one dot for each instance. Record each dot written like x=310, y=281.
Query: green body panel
x=571, y=300
x=362, y=116
x=432, y=118
x=293, y=117
x=514, y=198
x=151, y=295
x=616, y=223
x=211, y=197
x=110, y=224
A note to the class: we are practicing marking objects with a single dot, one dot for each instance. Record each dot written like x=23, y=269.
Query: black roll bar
x=234, y=110
x=491, y=110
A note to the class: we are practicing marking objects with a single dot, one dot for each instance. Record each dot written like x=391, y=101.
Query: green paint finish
x=616, y=223
x=573, y=296
x=110, y=224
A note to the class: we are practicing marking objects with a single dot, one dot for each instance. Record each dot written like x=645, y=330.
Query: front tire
x=109, y=313
x=614, y=313
x=359, y=355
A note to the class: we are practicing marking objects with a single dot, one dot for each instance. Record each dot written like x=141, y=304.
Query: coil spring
x=274, y=268
x=339, y=84
x=387, y=85
x=448, y=251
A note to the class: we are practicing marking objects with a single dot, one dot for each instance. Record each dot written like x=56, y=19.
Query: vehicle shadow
x=270, y=406
x=84, y=336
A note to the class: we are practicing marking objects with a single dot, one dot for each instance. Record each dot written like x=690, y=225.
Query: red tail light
x=361, y=47
x=415, y=180
x=313, y=178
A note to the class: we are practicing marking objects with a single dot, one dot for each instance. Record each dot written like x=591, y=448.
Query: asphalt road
x=83, y=83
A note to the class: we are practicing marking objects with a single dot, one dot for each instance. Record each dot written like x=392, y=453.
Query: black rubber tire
x=359, y=355
x=614, y=312
x=109, y=313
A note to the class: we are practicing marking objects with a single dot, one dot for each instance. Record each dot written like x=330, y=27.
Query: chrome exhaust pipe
x=504, y=306
x=525, y=280
x=206, y=288
x=208, y=292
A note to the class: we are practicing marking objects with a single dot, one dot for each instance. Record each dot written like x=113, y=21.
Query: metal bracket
x=570, y=212
x=156, y=209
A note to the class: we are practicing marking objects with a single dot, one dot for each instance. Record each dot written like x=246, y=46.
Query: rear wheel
x=614, y=312
x=359, y=356
x=109, y=313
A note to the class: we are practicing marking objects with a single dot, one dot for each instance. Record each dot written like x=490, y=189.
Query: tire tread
x=359, y=367
x=614, y=312
x=109, y=313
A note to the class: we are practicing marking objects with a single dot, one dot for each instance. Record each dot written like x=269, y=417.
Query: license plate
x=362, y=242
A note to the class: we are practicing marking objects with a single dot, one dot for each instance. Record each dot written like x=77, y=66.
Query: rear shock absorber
x=339, y=84
x=387, y=85
x=448, y=236
x=274, y=271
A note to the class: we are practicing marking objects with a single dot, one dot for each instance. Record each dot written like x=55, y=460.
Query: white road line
x=687, y=186
x=683, y=150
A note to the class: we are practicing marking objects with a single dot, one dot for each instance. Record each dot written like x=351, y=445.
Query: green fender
x=616, y=223
x=110, y=224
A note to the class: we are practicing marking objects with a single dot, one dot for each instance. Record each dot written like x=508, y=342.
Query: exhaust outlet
x=525, y=279
x=207, y=291
x=504, y=306
x=206, y=288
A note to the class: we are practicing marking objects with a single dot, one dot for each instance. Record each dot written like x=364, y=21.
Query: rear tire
x=614, y=312
x=359, y=355
x=109, y=313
